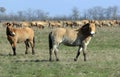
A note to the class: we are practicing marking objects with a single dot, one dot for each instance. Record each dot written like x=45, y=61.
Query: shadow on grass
x=1, y=54
x=36, y=60
x=32, y=60
x=24, y=60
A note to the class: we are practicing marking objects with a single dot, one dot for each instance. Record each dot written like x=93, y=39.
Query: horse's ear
x=8, y=24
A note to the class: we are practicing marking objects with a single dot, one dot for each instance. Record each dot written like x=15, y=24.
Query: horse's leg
x=50, y=45
x=55, y=52
x=78, y=53
x=33, y=52
x=27, y=46
x=14, y=48
x=32, y=45
x=84, y=51
x=50, y=52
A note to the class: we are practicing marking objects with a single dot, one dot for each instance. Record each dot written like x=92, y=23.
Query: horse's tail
x=50, y=41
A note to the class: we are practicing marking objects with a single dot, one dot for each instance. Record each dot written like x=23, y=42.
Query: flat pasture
x=103, y=57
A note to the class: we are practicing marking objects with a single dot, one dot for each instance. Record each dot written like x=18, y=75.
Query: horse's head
x=88, y=29
x=9, y=29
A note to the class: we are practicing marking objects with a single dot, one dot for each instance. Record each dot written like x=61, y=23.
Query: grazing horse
x=80, y=37
x=16, y=35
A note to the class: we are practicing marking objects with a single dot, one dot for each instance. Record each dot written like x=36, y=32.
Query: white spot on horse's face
x=92, y=32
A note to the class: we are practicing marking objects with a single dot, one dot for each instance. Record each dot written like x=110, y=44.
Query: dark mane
x=84, y=26
x=82, y=29
x=85, y=29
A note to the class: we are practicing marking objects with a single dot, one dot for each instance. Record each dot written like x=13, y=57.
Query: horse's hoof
x=14, y=54
x=26, y=53
x=57, y=59
x=85, y=60
x=50, y=60
x=75, y=59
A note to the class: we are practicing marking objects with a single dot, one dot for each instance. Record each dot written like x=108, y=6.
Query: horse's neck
x=82, y=36
x=14, y=29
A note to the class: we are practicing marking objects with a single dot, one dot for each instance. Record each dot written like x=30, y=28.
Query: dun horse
x=69, y=37
x=16, y=35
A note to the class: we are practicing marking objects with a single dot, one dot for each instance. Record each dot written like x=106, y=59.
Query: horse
x=69, y=37
x=17, y=35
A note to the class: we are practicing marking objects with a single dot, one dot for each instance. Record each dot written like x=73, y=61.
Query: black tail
x=50, y=41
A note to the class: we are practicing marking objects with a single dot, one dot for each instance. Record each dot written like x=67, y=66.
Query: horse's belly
x=75, y=43
x=18, y=41
x=21, y=40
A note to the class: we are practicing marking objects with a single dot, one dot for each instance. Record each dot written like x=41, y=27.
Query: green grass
x=103, y=57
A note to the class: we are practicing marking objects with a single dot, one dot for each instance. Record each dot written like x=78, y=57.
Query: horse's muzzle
x=92, y=33
x=12, y=33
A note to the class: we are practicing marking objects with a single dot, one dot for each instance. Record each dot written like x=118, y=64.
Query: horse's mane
x=86, y=25
x=82, y=27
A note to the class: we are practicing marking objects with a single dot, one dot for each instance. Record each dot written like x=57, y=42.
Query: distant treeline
x=95, y=13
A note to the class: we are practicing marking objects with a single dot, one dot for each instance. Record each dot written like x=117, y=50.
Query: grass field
x=103, y=57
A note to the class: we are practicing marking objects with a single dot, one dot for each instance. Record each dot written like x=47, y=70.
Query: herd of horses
x=62, y=23
x=70, y=37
